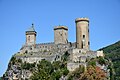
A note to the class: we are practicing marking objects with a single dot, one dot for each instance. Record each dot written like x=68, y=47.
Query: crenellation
x=82, y=19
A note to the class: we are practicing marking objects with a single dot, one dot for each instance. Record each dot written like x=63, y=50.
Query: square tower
x=31, y=36
x=60, y=35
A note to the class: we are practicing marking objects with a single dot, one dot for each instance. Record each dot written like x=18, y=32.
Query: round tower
x=82, y=33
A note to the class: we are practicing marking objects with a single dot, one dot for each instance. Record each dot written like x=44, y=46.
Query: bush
x=92, y=62
x=49, y=71
x=65, y=56
x=76, y=74
x=101, y=60
x=27, y=66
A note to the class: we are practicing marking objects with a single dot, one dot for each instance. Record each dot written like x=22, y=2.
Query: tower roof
x=31, y=29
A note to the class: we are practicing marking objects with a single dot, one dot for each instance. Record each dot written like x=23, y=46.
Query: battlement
x=82, y=19
x=60, y=27
x=49, y=43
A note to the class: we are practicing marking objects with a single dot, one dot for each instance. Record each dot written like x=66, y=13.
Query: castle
x=79, y=51
x=60, y=37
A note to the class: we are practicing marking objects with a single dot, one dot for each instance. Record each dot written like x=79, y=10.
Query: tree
x=93, y=73
x=76, y=74
x=43, y=71
x=92, y=62
x=56, y=65
x=49, y=71
x=13, y=60
x=65, y=56
x=101, y=60
x=27, y=66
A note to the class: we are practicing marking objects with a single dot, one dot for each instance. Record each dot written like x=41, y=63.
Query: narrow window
x=28, y=38
x=83, y=36
x=88, y=43
x=65, y=34
x=79, y=51
x=83, y=41
x=60, y=33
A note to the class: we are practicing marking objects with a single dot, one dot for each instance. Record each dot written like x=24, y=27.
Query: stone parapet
x=81, y=19
x=60, y=27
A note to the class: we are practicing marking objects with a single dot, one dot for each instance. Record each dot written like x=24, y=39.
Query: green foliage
x=65, y=71
x=56, y=65
x=13, y=60
x=92, y=62
x=49, y=71
x=27, y=66
x=19, y=61
x=45, y=50
x=46, y=66
x=65, y=56
x=1, y=78
x=112, y=52
x=55, y=75
x=111, y=71
x=76, y=74
x=101, y=60
x=43, y=72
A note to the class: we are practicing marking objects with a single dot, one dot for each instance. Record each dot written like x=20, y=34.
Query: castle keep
x=82, y=33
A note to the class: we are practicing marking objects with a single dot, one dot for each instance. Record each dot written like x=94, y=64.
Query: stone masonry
x=31, y=36
x=60, y=35
x=82, y=33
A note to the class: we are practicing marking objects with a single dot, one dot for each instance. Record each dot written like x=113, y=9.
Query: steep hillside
x=112, y=52
x=96, y=69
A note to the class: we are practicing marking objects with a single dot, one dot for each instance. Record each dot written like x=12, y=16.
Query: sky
x=16, y=16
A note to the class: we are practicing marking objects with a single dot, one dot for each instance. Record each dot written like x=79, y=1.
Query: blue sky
x=16, y=16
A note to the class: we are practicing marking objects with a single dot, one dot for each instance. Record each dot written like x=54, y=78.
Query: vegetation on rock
x=49, y=71
x=76, y=74
x=112, y=53
x=93, y=73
